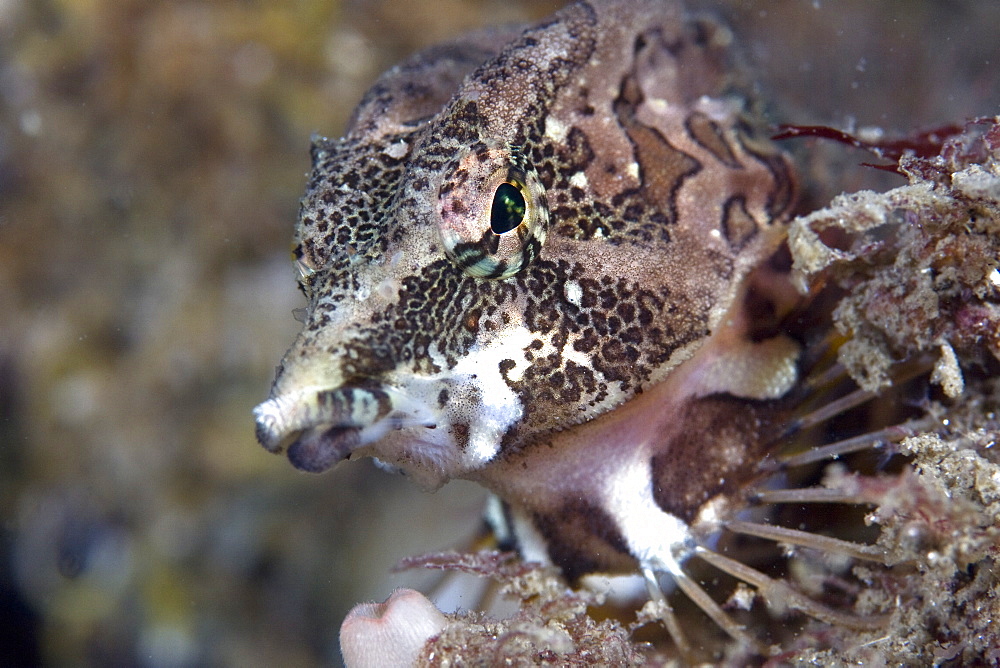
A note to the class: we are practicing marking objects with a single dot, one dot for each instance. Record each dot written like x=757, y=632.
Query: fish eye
x=508, y=208
x=493, y=213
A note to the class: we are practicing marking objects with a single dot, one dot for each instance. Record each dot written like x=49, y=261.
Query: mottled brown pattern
x=738, y=226
x=583, y=539
x=716, y=453
x=647, y=200
x=710, y=137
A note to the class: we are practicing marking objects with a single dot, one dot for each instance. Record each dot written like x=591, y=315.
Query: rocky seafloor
x=151, y=159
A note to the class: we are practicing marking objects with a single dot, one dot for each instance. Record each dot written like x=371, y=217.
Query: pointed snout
x=318, y=426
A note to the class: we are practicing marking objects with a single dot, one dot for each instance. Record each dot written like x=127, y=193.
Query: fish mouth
x=320, y=427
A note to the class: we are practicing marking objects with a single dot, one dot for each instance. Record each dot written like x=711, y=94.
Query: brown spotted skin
x=648, y=202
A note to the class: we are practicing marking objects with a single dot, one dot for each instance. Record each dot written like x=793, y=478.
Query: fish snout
x=319, y=427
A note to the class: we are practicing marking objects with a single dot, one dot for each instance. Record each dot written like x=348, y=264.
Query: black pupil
x=508, y=208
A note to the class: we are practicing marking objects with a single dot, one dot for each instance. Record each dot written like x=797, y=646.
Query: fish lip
x=320, y=426
x=319, y=449
x=306, y=414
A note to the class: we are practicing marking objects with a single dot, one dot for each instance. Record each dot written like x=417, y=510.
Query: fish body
x=534, y=260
